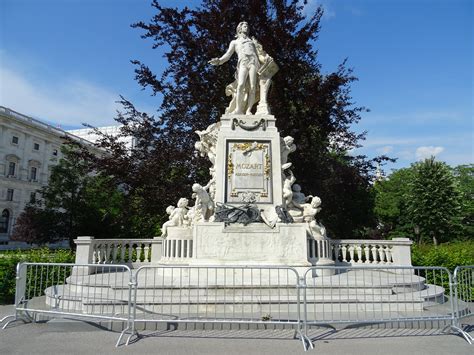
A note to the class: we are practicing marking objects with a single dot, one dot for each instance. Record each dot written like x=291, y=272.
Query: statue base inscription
x=248, y=171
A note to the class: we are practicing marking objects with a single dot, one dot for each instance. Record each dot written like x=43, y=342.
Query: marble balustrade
x=371, y=252
x=180, y=249
x=118, y=251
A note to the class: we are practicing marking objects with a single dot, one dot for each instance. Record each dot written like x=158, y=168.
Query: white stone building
x=90, y=135
x=29, y=149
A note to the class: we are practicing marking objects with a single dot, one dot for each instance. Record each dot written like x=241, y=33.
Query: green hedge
x=9, y=260
x=448, y=255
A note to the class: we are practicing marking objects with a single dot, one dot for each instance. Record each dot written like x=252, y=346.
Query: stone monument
x=251, y=211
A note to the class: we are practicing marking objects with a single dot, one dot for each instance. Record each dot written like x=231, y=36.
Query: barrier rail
x=463, y=299
x=245, y=295
x=221, y=294
x=382, y=294
x=82, y=291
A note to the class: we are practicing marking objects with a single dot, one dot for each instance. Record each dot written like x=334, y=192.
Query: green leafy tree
x=434, y=200
x=315, y=108
x=391, y=204
x=75, y=202
x=464, y=175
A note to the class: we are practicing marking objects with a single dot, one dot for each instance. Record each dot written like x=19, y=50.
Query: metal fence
x=205, y=294
x=313, y=297
x=78, y=291
x=463, y=300
x=376, y=294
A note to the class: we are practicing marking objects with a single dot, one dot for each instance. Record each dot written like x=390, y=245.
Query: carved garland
x=241, y=124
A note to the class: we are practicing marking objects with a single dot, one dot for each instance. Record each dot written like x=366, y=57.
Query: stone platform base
x=254, y=244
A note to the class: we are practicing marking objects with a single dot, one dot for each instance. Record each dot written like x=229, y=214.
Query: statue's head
x=198, y=147
x=183, y=202
x=296, y=188
x=196, y=187
x=242, y=27
x=315, y=202
x=288, y=140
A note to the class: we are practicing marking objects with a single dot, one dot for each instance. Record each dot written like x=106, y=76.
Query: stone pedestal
x=84, y=254
x=248, y=160
x=254, y=244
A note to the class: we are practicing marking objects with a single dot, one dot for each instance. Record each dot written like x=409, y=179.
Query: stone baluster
x=100, y=253
x=359, y=253
x=367, y=253
x=115, y=252
x=108, y=248
x=95, y=255
x=146, y=251
x=351, y=253
x=344, y=253
x=388, y=254
x=105, y=252
x=122, y=252
x=139, y=249
x=382, y=254
x=130, y=252
x=325, y=248
x=373, y=250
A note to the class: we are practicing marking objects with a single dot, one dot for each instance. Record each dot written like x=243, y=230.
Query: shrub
x=9, y=260
x=448, y=255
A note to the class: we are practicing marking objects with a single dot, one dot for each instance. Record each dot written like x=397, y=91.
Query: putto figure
x=254, y=67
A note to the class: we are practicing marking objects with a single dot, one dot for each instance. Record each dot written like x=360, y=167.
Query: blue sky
x=67, y=61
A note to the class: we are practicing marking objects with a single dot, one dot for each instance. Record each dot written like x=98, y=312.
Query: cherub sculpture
x=309, y=216
x=177, y=216
x=204, y=206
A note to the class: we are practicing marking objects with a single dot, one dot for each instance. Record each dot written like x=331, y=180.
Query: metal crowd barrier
x=463, y=300
x=376, y=294
x=78, y=291
x=246, y=295
x=221, y=294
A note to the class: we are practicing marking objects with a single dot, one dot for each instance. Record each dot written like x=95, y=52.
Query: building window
x=10, y=195
x=55, y=152
x=4, y=219
x=14, y=140
x=11, y=168
x=33, y=173
x=36, y=146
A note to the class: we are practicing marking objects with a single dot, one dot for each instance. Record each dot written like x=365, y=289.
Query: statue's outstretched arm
x=225, y=57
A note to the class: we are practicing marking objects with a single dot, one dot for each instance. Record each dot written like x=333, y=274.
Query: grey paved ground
x=60, y=337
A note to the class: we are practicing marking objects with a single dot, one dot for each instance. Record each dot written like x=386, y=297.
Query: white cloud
x=385, y=149
x=428, y=151
x=67, y=102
